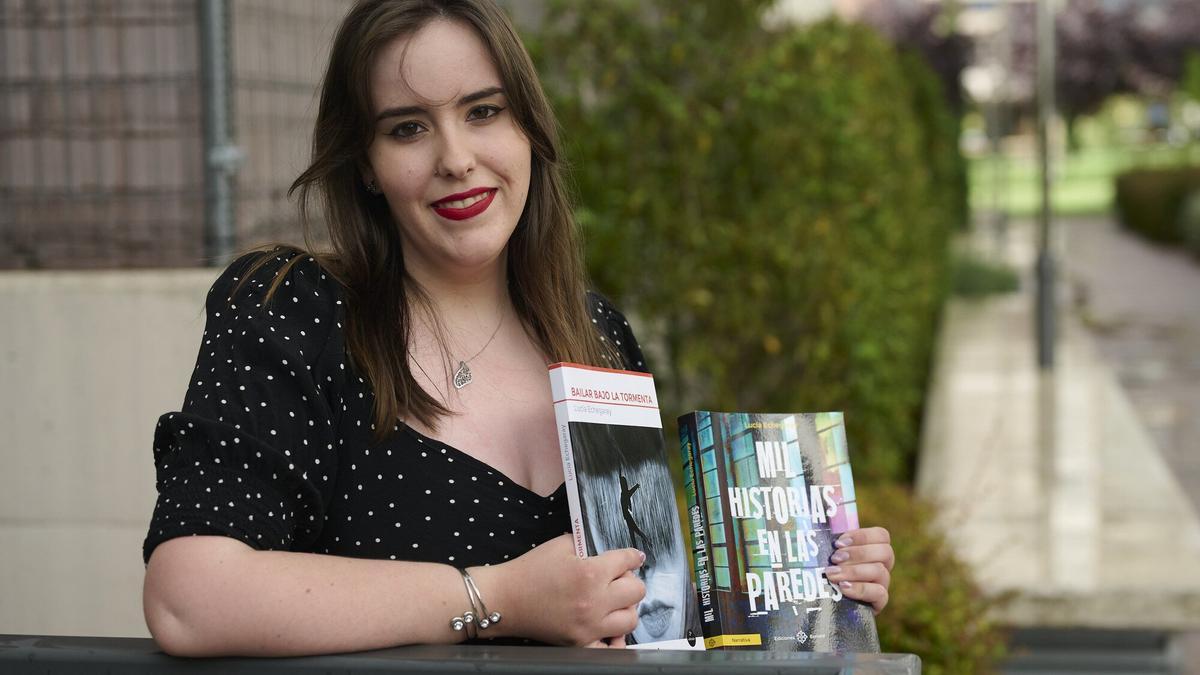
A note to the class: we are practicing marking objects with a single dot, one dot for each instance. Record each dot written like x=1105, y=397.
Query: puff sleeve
x=613, y=327
x=252, y=453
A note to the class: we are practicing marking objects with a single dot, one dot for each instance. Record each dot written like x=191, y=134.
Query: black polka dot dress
x=274, y=443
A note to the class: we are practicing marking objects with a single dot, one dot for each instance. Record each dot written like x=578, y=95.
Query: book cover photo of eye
x=768, y=494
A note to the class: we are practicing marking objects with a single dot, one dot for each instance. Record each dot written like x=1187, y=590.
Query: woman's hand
x=862, y=565
x=559, y=598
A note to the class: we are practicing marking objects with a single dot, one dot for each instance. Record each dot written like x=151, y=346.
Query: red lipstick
x=473, y=208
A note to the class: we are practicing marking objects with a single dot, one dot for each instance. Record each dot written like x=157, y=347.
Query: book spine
x=562, y=420
x=710, y=614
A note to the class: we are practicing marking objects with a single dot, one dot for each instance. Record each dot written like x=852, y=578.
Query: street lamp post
x=1045, y=259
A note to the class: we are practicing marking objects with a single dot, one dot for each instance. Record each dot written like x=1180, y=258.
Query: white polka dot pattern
x=274, y=444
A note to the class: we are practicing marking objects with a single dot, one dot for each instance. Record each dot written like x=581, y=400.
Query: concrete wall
x=88, y=361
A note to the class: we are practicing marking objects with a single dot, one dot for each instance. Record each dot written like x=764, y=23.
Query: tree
x=1092, y=58
x=1160, y=39
x=928, y=30
x=1105, y=49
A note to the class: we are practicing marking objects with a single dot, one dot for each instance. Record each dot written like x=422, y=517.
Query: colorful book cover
x=620, y=492
x=767, y=496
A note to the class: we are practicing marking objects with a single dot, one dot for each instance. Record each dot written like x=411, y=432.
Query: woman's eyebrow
x=415, y=109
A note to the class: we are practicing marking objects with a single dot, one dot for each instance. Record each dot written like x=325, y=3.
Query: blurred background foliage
x=775, y=205
x=1151, y=201
x=974, y=276
x=1127, y=86
x=1162, y=202
x=937, y=609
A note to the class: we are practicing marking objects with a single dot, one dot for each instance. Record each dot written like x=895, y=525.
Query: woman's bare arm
x=214, y=596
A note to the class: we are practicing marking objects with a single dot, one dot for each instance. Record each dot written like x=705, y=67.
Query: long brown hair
x=546, y=278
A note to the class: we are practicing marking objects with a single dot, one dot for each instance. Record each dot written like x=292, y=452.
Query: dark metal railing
x=20, y=654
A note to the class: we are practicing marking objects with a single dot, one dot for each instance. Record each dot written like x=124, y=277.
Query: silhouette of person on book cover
x=627, y=512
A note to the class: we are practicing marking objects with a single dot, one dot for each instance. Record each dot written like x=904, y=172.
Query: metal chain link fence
x=104, y=106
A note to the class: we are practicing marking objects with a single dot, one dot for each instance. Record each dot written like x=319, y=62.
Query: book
x=768, y=494
x=620, y=493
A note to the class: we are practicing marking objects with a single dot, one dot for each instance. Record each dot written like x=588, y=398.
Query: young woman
x=365, y=423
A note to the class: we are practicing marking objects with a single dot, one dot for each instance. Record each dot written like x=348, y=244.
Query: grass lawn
x=1083, y=180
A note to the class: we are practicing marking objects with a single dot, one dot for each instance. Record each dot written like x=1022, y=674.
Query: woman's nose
x=455, y=159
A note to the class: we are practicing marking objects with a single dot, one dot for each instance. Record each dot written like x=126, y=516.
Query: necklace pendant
x=462, y=376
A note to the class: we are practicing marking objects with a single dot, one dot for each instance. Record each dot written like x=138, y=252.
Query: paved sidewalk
x=1051, y=484
x=1141, y=303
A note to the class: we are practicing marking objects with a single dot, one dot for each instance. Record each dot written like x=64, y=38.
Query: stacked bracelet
x=476, y=618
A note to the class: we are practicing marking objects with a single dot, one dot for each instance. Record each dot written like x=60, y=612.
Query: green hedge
x=936, y=611
x=975, y=277
x=776, y=206
x=941, y=130
x=1150, y=201
x=1189, y=223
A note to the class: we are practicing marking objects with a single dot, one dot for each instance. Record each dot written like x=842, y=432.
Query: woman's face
x=663, y=612
x=447, y=153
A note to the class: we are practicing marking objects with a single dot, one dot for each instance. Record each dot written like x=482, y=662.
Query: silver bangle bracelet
x=476, y=618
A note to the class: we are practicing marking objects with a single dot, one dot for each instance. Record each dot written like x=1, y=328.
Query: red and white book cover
x=619, y=489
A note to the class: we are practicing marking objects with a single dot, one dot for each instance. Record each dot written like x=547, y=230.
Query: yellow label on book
x=733, y=641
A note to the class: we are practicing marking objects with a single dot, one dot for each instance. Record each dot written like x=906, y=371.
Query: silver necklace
x=463, y=376
x=431, y=380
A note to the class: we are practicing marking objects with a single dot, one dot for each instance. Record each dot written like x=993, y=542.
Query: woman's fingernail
x=843, y=542
x=845, y=584
x=832, y=570
x=642, y=555
x=839, y=557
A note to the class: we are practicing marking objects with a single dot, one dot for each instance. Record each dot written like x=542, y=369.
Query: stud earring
x=372, y=187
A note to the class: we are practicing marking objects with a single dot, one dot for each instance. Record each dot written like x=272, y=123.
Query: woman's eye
x=483, y=112
x=406, y=130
